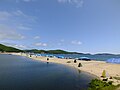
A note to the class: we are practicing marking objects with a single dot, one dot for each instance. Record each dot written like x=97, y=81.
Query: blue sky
x=89, y=26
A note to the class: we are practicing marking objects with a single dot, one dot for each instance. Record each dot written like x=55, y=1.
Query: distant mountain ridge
x=58, y=51
x=4, y=48
x=52, y=51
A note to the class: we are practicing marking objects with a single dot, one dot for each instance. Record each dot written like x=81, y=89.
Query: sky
x=86, y=26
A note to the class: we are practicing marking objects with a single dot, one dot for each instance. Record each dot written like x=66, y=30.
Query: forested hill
x=51, y=51
x=4, y=48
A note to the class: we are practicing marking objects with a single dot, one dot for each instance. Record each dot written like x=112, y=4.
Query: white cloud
x=18, y=19
x=4, y=15
x=41, y=44
x=20, y=46
x=62, y=1
x=17, y=1
x=62, y=40
x=76, y=42
x=59, y=44
x=22, y=27
x=77, y=3
x=18, y=14
x=21, y=14
x=12, y=23
x=15, y=45
x=44, y=44
x=37, y=37
x=9, y=33
x=27, y=0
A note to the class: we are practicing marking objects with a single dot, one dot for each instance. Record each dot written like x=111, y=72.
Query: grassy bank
x=96, y=84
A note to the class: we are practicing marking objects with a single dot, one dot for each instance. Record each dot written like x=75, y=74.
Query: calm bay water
x=21, y=73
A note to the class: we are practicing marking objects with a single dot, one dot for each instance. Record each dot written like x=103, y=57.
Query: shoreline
x=94, y=68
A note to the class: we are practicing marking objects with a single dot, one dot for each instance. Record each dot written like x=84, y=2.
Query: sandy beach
x=93, y=67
